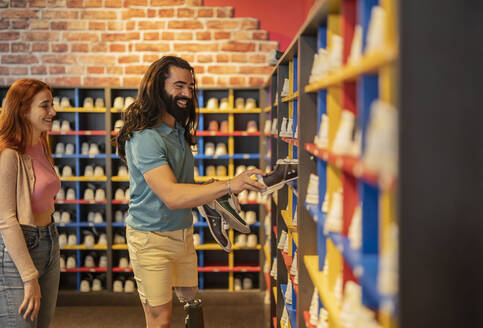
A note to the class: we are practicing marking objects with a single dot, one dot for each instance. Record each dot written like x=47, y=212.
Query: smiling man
x=155, y=143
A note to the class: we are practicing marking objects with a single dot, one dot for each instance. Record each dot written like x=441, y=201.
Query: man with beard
x=155, y=143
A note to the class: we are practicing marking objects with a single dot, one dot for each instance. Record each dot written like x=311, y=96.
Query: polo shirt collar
x=166, y=129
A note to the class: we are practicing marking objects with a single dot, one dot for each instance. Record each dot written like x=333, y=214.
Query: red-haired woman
x=29, y=246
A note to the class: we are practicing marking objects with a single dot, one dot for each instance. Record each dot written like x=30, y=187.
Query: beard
x=180, y=114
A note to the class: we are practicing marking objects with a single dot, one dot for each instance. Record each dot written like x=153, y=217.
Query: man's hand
x=245, y=181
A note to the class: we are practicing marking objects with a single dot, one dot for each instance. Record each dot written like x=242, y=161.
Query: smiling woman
x=29, y=246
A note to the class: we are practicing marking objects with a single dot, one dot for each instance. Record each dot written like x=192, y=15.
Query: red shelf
x=79, y=201
x=307, y=320
x=348, y=164
x=274, y=319
x=250, y=203
x=287, y=259
x=291, y=141
x=228, y=269
x=267, y=280
x=84, y=269
x=79, y=133
x=118, y=269
x=275, y=231
x=227, y=134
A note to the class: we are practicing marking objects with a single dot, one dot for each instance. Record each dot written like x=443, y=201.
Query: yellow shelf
x=320, y=281
x=267, y=254
x=229, y=111
x=214, y=247
x=120, y=178
x=205, y=179
x=84, y=178
x=83, y=247
x=267, y=109
x=369, y=63
x=80, y=110
x=290, y=97
x=295, y=236
x=275, y=294
x=288, y=220
x=119, y=247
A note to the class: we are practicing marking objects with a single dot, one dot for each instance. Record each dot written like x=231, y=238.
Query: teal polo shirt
x=145, y=151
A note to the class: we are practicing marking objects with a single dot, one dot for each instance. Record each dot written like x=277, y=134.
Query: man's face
x=179, y=87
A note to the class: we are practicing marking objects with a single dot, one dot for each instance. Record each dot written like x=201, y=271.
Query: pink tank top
x=47, y=183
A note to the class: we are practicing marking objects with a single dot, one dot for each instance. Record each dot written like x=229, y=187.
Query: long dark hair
x=145, y=111
x=15, y=128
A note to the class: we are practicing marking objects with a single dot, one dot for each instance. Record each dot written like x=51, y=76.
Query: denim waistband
x=49, y=230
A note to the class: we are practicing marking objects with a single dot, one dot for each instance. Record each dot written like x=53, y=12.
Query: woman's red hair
x=15, y=128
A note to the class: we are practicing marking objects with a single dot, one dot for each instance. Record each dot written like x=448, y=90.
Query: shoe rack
x=239, y=269
x=351, y=283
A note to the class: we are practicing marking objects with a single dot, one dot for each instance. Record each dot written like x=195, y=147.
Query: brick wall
x=112, y=42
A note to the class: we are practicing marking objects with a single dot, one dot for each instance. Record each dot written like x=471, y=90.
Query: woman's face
x=41, y=112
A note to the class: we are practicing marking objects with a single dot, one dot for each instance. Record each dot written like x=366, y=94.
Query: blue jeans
x=43, y=245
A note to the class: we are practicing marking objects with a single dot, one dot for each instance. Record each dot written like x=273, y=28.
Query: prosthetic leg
x=194, y=314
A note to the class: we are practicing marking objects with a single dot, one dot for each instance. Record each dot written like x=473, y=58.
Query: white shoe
x=56, y=169
x=289, y=129
x=252, y=241
x=221, y=171
x=377, y=29
x=274, y=126
x=85, y=148
x=237, y=285
x=118, y=217
x=343, y=138
x=288, y=292
x=252, y=196
x=93, y=150
x=102, y=239
x=128, y=101
x=285, y=88
x=98, y=218
x=273, y=272
x=72, y=240
x=335, y=53
x=56, y=216
x=209, y=149
x=333, y=221
x=293, y=267
x=60, y=194
x=194, y=215
x=196, y=239
x=103, y=261
x=55, y=101
x=129, y=286
x=247, y=283
x=84, y=286
x=100, y=195
x=243, y=197
x=241, y=240
x=356, y=47
x=117, y=286
x=65, y=217
x=239, y=103
x=70, y=195
x=70, y=264
x=55, y=126
x=62, y=240
x=224, y=104
x=210, y=171
x=122, y=171
x=59, y=148
x=119, y=103
x=314, y=308
x=220, y=149
x=283, y=127
x=65, y=127
x=62, y=263
x=67, y=171
x=282, y=240
x=89, y=241
x=100, y=103
x=251, y=217
x=89, y=171
x=89, y=261
x=127, y=195
x=321, y=140
x=123, y=262
x=118, y=125
x=88, y=102
x=118, y=239
x=212, y=103
x=312, y=196
x=240, y=169
x=355, y=229
x=267, y=128
x=65, y=103
x=251, y=103
x=96, y=285
x=99, y=171
x=252, y=126
x=90, y=216
x=89, y=194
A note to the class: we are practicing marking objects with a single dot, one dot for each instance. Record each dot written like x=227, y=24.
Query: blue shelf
x=235, y=156
x=80, y=156
x=81, y=224
x=205, y=224
x=352, y=256
x=292, y=312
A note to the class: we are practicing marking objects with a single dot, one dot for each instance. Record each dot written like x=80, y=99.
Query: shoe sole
x=234, y=223
x=227, y=248
x=276, y=187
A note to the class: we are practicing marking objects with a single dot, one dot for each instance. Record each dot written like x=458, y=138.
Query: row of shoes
x=91, y=259
x=240, y=104
x=250, y=217
x=240, y=283
x=353, y=313
x=223, y=126
x=286, y=129
x=91, y=149
x=284, y=319
x=122, y=103
x=118, y=125
x=89, y=240
x=246, y=196
x=318, y=315
x=283, y=242
x=89, y=171
x=123, y=195
x=127, y=287
x=57, y=126
x=222, y=214
x=86, y=286
x=69, y=263
x=61, y=217
x=219, y=151
x=244, y=241
x=120, y=216
x=63, y=102
x=220, y=171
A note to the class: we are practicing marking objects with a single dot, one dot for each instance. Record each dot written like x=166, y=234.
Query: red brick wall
x=112, y=42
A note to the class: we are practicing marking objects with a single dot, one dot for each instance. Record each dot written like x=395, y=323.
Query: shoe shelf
x=78, y=133
x=292, y=312
x=79, y=110
x=230, y=111
x=227, y=134
x=347, y=83
x=83, y=178
x=83, y=269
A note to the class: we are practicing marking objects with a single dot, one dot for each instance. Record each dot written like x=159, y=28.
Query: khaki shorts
x=161, y=261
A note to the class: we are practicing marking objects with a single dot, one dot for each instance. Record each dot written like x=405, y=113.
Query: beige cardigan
x=17, y=184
